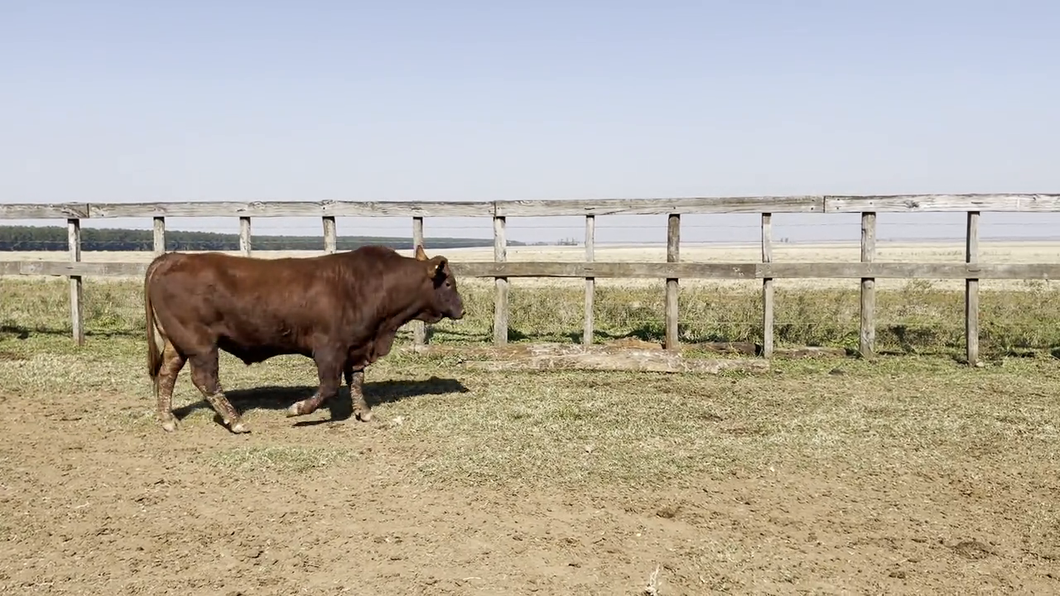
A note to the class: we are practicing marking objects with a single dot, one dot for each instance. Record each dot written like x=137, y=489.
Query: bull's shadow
x=273, y=397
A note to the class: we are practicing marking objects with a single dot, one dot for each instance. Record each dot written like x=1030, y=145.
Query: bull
x=342, y=310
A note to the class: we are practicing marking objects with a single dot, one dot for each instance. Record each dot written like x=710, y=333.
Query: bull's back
x=253, y=308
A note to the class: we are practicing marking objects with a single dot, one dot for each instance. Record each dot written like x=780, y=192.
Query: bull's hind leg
x=355, y=380
x=204, y=376
x=172, y=362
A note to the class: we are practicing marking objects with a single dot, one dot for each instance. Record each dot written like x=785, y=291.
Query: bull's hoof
x=364, y=415
x=295, y=409
x=169, y=425
x=240, y=427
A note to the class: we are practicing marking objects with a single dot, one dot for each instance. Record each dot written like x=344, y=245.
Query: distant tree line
x=34, y=238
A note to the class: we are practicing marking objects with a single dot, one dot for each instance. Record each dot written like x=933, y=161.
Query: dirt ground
x=96, y=499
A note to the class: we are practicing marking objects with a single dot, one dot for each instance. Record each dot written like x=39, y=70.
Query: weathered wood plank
x=516, y=351
x=590, y=283
x=810, y=352
x=868, y=287
x=877, y=270
x=603, y=270
x=77, y=312
x=1037, y=203
x=244, y=236
x=159, y=235
x=44, y=211
x=409, y=208
x=971, y=291
x=1023, y=202
x=419, y=328
x=205, y=209
x=293, y=209
x=81, y=269
x=942, y=202
x=500, y=304
x=331, y=239
x=880, y=270
x=673, y=255
x=767, y=287
x=484, y=352
x=665, y=361
x=687, y=206
x=417, y=232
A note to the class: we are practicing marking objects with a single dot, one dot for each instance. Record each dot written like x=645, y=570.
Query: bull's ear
x=436, y=267
x=420, y=255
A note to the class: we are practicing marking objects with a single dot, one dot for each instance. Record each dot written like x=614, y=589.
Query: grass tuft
x=278, y=458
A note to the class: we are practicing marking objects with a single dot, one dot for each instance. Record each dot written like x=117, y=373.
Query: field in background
x=917, y=316
x=910, y=474
x=943, y=252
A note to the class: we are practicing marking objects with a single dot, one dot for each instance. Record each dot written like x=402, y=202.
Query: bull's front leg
x=329, y=372
x=355, y=380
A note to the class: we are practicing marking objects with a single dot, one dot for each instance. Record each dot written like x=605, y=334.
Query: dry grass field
x=912, y=474
x=940, y=252
x=915, y=316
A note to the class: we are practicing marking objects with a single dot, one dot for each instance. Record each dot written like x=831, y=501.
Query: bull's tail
x=154, y=336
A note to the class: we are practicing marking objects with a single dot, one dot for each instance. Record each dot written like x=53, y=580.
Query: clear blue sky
x=240, y=100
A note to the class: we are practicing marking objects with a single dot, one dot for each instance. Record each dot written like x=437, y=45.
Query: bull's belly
x=251, y=354
x=370, y=351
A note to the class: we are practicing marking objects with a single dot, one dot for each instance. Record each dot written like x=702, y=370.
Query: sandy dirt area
x=903, y=477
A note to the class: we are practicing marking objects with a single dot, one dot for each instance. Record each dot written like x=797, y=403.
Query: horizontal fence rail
x=604, y=270
x=868, y=270
x=1026, y=202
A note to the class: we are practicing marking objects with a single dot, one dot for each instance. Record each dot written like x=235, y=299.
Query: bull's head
x=445, y=300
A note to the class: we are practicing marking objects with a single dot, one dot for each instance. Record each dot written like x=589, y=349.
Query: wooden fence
x=673, y=270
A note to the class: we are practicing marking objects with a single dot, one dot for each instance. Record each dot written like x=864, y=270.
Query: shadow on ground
x=280, y=398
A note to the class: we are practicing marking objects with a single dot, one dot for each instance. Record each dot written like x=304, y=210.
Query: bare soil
x=96, y=499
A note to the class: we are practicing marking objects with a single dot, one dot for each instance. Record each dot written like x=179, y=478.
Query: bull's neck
x=406, y=311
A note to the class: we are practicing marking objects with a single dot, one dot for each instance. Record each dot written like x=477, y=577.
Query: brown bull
x=342, y=310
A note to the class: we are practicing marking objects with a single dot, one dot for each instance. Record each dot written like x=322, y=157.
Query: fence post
x=419, y=328
x=767, y=287
x=77, y=313
x=673, y=253
x=500, y=304
x=868, y=287
x=160, y=235
x=244, y=236
x=331, y=241
x=590, y=282
x=971, y=291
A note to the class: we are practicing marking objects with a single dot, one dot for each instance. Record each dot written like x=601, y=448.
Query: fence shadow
x=646, y=333
x=272, y=397
x=24, y=332
x=15, y=331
